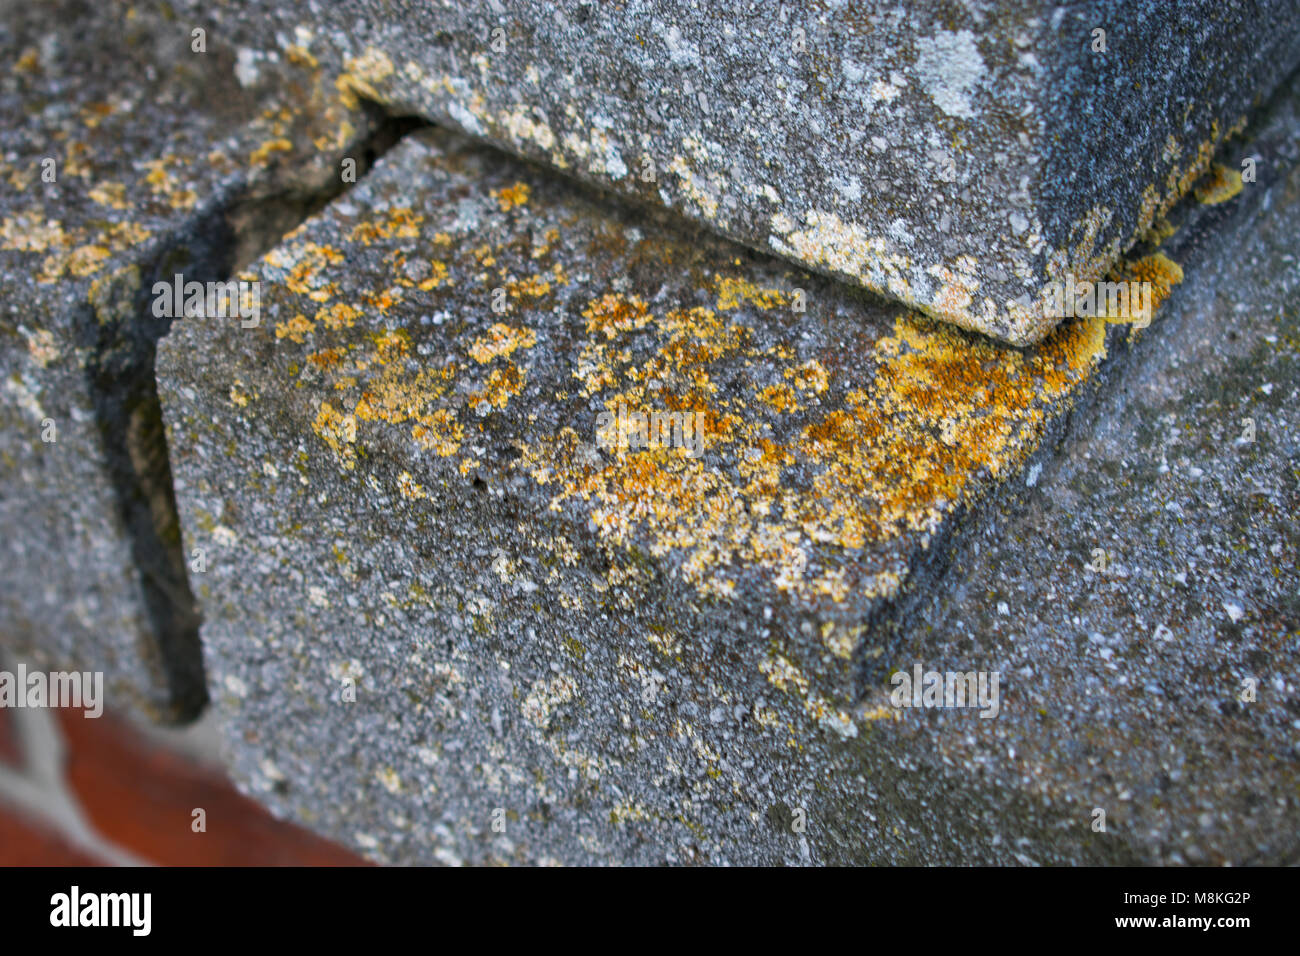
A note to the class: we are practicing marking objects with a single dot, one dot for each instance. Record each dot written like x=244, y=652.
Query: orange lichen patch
x=397, y=222
x=501, y=340
x=511, y=197
x=733, y=292
x=295, y=329
x=898, y=452
x=338, y=316
x=943, y=409
x=94, y=113
x=76, y=161
x=327, y=359
x=29, y=61
x=531, y=287
x=41, y=346
x=382, y=300
x=307, y=262
x=1218, y=185
x=391, y=346
x=440, y=432
x=345, y=133
x=437, y=276
x=502, y=385
x=262, y=155
x=408, y=487
x=300, y=56
x=162, y=182
x=612, y=314
x=123, y=235
x=18, y=177
x=809, y=377
x=86, y=260
x=112, y=195
x=550, y=239
x=339, y=432
x=779, y=397
x=373, y=64
x=1158, y=269
x=352, y=90
x=396, y=397
x=30, y=232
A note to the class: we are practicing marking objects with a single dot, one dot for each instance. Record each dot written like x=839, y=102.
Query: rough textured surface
x=161, y=163
x=637, y=656
x=956, y=156
x=1140, y=662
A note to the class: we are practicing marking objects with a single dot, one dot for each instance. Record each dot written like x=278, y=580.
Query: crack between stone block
x=1192, y=225
x=128, y=413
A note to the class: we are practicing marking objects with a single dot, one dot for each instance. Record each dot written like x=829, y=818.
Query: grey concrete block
x=443, y=623
x=125, y=156
x=1144, y=598
x=955, y=156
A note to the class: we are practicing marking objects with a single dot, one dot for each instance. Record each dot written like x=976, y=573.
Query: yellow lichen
x=295, y=329
x=440, y=432
x=262, y=155
x=339, y=432
x=438, y=275
x=408, y=487
x=733, y=291
x=502, y=385
x=613, y=313
x=340, y=315
x=1219, y=185
x=399, y=221
x=112, y=195
x=501, y=340
x=511, y=197
x=531, y=287
x=898, y=452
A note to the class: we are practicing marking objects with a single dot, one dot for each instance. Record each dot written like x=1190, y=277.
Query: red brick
x=9, y=751
x=24, y=843
x=141, y=797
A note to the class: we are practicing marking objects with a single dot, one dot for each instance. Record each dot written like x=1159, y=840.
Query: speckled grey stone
x=957, y=156
x=161, y=163
x=442, y=624
x=1144, y=595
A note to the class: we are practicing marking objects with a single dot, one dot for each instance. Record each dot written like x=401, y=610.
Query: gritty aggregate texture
x=124, y=156
x=1144, y=598
x=956, y=156
x=434, y=603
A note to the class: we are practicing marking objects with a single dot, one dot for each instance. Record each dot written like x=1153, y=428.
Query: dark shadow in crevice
x=211, y=248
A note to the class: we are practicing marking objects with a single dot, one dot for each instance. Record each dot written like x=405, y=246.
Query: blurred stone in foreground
x=126, y=156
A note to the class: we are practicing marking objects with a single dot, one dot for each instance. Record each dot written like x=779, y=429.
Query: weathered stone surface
x=955, y=156
x=1145, y=598
x=160, y=162
x=631, y=656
